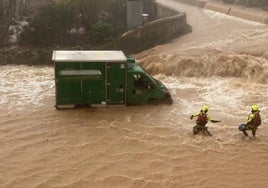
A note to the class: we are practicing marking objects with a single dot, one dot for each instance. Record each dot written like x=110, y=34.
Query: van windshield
x=143, y=81
x=155, y=81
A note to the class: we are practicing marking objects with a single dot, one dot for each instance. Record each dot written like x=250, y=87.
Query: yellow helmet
x=254, y=107
x=204, y=108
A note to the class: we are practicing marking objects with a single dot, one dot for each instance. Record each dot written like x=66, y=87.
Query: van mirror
x=149, y=86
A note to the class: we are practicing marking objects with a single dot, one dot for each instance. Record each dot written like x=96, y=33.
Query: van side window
x=141, y=82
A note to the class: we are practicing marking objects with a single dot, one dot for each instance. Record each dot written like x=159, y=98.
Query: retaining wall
x=170, y=25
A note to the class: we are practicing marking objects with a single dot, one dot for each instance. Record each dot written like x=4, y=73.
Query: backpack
x=202, y=119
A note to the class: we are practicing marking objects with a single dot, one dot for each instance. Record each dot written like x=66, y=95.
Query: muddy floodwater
x=222, y=63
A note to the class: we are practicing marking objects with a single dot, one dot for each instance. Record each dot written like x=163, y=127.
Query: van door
x=116, y=79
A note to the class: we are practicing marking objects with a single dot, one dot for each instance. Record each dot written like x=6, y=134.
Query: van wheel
x=168, y=99
x=154, y=101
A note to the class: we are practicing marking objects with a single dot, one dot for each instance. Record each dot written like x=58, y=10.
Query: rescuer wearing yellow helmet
x=202, y=120
x=254, y=120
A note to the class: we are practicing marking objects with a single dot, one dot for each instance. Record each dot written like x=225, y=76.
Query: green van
x=101, y=78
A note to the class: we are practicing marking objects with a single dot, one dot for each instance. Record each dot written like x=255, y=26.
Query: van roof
x=88, y=56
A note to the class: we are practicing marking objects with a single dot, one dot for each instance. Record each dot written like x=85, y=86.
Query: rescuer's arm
x=213, y=121
x=194, y=115
x=250, y=118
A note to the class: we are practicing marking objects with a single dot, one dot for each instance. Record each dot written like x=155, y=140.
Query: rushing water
x=221, y=64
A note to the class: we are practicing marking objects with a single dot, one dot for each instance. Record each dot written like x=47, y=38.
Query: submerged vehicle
x=104, y=78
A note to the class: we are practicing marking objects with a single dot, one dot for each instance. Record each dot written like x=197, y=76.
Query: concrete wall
x=134, y=14
x=170, y=25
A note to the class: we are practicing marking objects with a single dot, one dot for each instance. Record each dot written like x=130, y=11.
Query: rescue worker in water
x=254, y=121
x=202, y=120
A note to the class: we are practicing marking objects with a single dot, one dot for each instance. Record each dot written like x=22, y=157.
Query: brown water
x=222, y=64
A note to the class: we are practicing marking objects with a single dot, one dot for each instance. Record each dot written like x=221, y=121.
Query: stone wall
x=170, y=25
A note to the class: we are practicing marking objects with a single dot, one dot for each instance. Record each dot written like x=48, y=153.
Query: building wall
x=134, y=13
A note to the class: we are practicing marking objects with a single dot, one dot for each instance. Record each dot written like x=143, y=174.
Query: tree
x=7, y=16
x=50, y=26
x=100, y=20
x=104, y=32
x=117, y=12
x=91, y=11
x=103, y=20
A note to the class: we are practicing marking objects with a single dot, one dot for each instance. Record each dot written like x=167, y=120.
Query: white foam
x=174, y=82
x=219, y=93
x=23, y=85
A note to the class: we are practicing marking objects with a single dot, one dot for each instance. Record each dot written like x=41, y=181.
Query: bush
x=104, y=32
x=7, y=15
x=101, y=21
x=116, y=13
x=49, y=27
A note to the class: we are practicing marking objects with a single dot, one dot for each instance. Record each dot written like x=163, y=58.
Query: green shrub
x=49, y=27
x=104, y=32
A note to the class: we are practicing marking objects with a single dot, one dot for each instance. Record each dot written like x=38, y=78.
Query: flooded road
x=222, y=63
